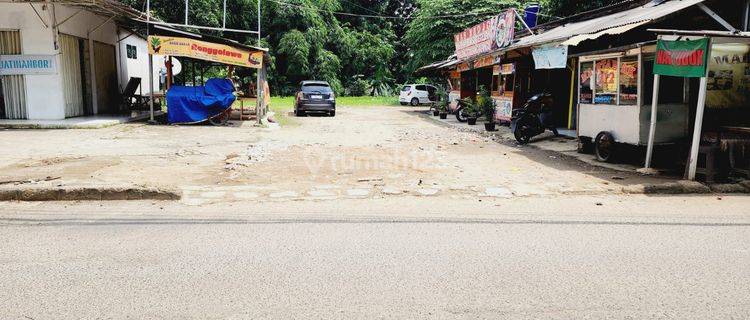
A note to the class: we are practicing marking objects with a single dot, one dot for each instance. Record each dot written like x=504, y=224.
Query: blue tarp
x=196, y=104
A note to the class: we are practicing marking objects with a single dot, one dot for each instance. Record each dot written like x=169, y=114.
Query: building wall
x=44, y=93
x=136, y=67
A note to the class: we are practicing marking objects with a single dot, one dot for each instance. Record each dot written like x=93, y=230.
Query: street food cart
x=614, y=101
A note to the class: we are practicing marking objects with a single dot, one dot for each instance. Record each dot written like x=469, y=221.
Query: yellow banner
x=186, y=47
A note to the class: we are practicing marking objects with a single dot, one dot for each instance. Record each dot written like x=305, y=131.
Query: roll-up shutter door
x=12, y=88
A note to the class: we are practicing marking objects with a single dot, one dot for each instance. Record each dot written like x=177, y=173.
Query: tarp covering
x=196, y=104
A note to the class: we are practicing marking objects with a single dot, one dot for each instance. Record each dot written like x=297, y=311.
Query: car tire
x=332, y=114
x=414, y=102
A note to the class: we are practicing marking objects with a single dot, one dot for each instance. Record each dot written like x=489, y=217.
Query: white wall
x=136, y=67
x=44, y=93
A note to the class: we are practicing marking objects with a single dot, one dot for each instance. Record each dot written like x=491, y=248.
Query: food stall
x=614, y=100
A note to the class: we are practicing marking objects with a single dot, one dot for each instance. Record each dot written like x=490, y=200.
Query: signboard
x=186, y=47
x=728, y=82
x=491, y=34
x=685, y=58
x=503, y=107
x=550, y=57
x=27, y=64
x=484, y=61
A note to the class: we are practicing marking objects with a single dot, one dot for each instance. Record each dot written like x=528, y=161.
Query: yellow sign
x=185, y=47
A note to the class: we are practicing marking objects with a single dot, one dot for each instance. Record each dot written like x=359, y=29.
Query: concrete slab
x=90, y=122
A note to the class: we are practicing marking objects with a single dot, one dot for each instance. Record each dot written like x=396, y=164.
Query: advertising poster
x=729, y=76
x=186, y=47
x=497, y=32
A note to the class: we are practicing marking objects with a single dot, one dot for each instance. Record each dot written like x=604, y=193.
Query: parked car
x=416, y=94
x=315, y=96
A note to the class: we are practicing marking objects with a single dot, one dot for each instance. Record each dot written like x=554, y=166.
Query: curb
x=87, y=194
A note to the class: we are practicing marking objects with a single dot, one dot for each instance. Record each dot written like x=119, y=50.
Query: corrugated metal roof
x=623, y=20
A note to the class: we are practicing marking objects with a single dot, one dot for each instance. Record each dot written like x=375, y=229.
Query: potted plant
x=435, y=110
x=487, y=108
x=471, y=111
x=441, y=106
x=443, y=109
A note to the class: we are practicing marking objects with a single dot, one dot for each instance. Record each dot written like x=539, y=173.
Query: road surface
x=163, y=261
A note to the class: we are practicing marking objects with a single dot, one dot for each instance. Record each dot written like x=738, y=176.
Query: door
x=421, y=93
x=107, y=92
x=70, y=70
x=12, y=87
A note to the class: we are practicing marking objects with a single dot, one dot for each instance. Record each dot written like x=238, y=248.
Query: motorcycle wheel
x=460, y=115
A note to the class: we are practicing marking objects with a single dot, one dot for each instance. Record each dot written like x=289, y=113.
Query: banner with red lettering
x=686, y=58
x=191, y=48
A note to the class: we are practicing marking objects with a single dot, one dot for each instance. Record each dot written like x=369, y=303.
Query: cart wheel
x=221, y=118
x=604, y=146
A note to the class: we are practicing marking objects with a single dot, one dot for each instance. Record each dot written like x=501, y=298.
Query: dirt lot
x=362, y=152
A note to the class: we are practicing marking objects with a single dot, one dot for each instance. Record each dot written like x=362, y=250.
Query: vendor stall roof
x=617, y=23
x=451, y=61
x=711, y=33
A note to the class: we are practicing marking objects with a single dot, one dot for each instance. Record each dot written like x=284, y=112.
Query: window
x=585, y=77
x=629, y=81
x=606, y=82
x=671, y=89
x=509, y=80
x=421, y=87
x=609, y=81
x=132, y=52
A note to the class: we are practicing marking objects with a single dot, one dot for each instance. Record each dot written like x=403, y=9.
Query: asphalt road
x=217, y=268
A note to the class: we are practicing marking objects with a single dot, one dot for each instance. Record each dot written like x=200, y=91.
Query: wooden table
x=731, y=139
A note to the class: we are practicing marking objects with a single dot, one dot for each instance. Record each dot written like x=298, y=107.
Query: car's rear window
x=406, y=88
x=317, y=87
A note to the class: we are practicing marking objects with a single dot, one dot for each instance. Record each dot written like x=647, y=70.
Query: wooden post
x=168, y=64
x=652, y=126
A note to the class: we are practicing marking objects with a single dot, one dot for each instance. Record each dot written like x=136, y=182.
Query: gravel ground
x=361, y=153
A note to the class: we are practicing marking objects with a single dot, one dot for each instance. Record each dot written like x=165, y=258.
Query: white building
x=60, y=61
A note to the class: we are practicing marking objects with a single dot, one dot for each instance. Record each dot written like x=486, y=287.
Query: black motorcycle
x=533, y=118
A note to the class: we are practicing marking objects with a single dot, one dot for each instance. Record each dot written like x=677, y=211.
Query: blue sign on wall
x=27, y=64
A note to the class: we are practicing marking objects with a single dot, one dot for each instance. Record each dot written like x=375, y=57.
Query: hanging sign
x=488, y=35
x=550, y=57
x=186, y=47
x=27, y=64
x=685, y=58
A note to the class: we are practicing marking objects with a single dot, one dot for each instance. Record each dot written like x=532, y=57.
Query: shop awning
x=447, y=63
x=617, y=23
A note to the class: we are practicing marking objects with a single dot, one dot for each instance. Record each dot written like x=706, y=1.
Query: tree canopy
x=358, y=46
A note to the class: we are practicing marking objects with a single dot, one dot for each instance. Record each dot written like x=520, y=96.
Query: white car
x=416, y=94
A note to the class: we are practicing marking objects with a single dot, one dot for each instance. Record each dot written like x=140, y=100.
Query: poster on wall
x=497, y=32
x=27, y=64
x=550, y=57
x=728, y=76
x=186, y=47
